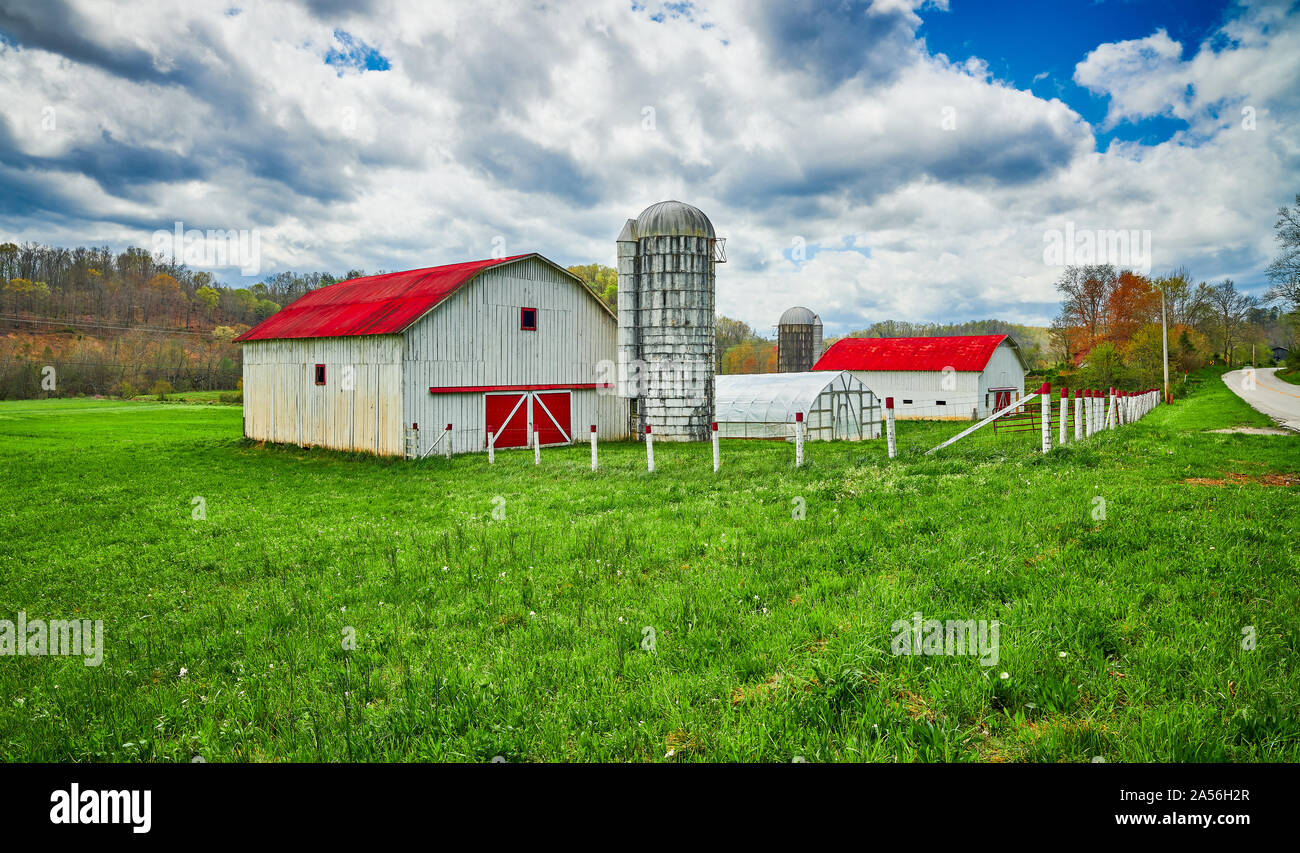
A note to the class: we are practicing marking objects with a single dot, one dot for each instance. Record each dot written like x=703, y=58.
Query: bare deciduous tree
x=1229, y=308
x=1284, y=272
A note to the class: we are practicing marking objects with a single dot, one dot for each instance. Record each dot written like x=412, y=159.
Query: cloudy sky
x=871, y=160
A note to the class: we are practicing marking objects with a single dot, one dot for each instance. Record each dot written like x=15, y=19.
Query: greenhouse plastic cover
x=774, y=397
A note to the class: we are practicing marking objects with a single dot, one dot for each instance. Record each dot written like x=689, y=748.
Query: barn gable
x=476, y=345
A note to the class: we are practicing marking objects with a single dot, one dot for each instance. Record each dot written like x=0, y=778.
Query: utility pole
x=1164, y=328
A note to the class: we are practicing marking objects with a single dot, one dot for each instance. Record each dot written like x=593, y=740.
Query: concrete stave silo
x=666, y=321
x=798, y=340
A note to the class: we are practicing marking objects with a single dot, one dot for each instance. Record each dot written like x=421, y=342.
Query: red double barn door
x=509, y=414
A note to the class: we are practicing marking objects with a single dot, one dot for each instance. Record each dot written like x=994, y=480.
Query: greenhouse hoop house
x=835, y=405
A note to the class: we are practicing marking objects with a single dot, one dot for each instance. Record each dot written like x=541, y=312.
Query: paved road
x=1275, y=398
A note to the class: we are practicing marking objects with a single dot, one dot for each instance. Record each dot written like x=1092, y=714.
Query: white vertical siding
x=1002, y=371
x=283, y=403
x=473, y=339
x=925, y=389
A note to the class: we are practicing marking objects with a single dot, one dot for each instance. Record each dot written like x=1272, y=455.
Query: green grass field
x=525, y=636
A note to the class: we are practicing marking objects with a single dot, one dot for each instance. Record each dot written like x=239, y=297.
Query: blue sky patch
x=352, y=53
x=1036, y=46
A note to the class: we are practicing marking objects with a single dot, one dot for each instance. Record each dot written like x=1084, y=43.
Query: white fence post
x=1087, y=413
x=1112, y=415
x=1078, y=414
x=593, y=447
x=798, y=439
x=890, y=441
x=649, y=449
x=446, y=451
x=717, y=455
x=1065, y=413
x=492, y=440
x=537, y=447
x=1045, y=415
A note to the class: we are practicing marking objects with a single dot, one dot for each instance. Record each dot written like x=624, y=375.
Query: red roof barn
x=513, y=346
x=938, y=377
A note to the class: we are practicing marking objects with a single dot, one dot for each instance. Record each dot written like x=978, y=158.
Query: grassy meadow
x=525, y=636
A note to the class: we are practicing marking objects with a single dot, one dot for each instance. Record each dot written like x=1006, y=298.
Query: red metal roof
x=371, y=305
x=961, y=353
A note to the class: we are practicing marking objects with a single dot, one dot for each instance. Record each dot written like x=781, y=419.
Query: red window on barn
x=507, y=419
x=320, y=374
x=528, y=319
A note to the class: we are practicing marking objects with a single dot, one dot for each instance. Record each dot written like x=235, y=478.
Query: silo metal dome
x=799, y=316
x=673, y=219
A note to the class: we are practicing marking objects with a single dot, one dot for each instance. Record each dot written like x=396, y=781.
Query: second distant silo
x=798, y=340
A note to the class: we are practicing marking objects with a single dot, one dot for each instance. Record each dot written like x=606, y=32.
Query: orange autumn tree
x=752, y=356
x=1133, y=303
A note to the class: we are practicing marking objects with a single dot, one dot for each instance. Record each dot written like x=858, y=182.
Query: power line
x=82, y=325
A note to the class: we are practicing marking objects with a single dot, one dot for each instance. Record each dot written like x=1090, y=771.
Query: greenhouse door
x=846, y=425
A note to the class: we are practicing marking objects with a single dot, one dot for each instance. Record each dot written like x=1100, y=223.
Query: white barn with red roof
x=957, y=377
x=384, y=363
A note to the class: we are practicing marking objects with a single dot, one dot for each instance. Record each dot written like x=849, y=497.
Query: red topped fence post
x=798, y=439
x=890, y=442
x=1065, y=413
x=1045, y=396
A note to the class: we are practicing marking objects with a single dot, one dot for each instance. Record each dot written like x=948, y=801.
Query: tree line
x=1109, y=328
x=89, y=320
